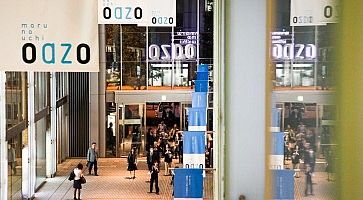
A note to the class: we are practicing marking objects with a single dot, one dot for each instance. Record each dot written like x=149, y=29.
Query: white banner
x=277, y=162
x=194, y=161
x=140, y=12
x=44, y=35
x=313, y=12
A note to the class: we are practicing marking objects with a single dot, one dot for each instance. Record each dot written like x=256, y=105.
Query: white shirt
x=78, y=173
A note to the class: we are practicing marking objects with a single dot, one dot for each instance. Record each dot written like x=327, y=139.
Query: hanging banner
x=188, y=184
x=277, y=151
x=139, y=12
x=313, y=12
x=194, y=149
x=43, y=35
x=283, y=184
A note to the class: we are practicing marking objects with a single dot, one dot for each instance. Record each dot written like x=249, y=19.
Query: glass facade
x=154, y=58
x=41, y=102
x=301, y=59
x=301, y=56
x=17, y=127
x=40, y=132
x=16, y=114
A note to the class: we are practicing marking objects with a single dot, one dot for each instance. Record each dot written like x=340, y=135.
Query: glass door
x=185, y=107
x=131, y=129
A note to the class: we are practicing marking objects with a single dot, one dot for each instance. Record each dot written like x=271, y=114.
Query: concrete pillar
x=98, y=98
x=102, y=89
x=245, y=95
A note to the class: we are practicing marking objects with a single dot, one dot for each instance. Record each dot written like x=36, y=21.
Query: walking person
x=92, y=156
x=151, y=157
x=295, y=158
x=154, y=177
x=309, y=181
x=131, y=163
x=168, y=159
x=77, y=184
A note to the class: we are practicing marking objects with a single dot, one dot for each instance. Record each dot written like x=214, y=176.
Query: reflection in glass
x=40, y=128
x=14, y=167
x=133, y=57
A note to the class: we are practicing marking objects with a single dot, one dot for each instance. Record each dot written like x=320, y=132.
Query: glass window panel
x=134, y=76
x=14, y=167
x=113, y=58
x=40, y=129
x=14, y=99
x=133, y=57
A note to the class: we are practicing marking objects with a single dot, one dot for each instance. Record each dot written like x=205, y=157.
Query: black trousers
x=91, y=166
x=156, y=180
x=308, y=185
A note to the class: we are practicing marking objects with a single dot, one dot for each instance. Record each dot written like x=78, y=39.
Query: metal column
x=3, y=143
x=29, y=150
x=51, y=135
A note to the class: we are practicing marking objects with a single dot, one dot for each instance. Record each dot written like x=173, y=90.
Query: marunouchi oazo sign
x=43, y=35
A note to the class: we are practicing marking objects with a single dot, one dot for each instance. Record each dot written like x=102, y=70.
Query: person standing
x=154, y=177
x=151, y=157
x=111, y=139
x=11, y=158
x=77, y=185
x=309, y=181
x=295, y=159
x=92, y=156
x=131, y=163
x=168, y=159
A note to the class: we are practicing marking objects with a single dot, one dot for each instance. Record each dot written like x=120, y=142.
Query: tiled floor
x=322, y=188
x=111, y=184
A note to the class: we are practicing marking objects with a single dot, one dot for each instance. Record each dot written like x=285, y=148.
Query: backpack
x=71, y=176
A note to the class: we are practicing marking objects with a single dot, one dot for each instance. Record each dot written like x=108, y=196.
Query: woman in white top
x=77, y=182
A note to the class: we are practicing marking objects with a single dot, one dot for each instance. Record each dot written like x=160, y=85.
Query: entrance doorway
x=125, y=129
x=131, y=125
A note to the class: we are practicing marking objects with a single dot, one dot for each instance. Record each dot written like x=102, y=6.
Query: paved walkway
x=323, y=189
x=112, y=182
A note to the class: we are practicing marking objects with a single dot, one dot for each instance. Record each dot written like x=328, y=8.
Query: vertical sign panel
x=194, y=149
x=189, y=184
x=283, y=184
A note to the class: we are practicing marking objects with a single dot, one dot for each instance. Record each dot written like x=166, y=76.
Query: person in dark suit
x=309, y=181
x=154, y=177
x=151, y=157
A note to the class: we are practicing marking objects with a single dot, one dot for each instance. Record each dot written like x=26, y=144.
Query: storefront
x=161, y=58
x=151, y=71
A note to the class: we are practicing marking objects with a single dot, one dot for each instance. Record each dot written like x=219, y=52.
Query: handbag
x=71, y=176
x=83, y=180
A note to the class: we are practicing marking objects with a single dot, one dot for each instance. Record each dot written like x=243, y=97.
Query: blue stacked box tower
x=194, y=140
x=283, y=180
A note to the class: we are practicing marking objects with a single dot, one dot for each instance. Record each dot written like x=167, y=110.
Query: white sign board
x=140, y=12
x=43, y=35
x=313, y=12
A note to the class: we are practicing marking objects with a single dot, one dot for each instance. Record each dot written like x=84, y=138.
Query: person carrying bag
x=78, y=180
